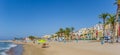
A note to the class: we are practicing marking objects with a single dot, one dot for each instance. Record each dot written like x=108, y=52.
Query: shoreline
x=18, y=50
x=30, y=48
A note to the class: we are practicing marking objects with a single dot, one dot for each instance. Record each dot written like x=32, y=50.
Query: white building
x=46, y=36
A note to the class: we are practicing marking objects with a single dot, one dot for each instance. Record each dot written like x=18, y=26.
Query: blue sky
x=21, y=18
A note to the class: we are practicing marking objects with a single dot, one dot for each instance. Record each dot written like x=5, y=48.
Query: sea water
x=5, y=46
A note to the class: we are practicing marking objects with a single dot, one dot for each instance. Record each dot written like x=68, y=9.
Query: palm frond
x=111, y=19
x=103, y=15
x=116, y=2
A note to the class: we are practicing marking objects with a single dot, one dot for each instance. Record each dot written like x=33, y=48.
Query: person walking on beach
x=64, y=41
x=102, y=41
x=77, y=40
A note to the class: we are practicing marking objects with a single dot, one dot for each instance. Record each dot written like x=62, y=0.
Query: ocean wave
x=9, y=46
x=3, y=53
x=6, y=48
x=12, y=45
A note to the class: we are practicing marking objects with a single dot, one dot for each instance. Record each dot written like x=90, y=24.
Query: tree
x=117, y=2
x=72, y=29
x=104, y=17
x=111, y=21
x=58, y=34
x=67, y=32
x=61, y=30
x=32, y=37
x=99, y=22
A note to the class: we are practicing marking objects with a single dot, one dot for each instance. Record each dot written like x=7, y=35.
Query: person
x=118, y=39
x=77, y=40
x=102, y=41
x=45, y=45
x=109, y=39
x=64, y=41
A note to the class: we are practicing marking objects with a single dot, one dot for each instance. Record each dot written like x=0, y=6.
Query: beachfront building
x=46, y=36
x=77, y=34
x=55, y=37
x=27, y=39
x=107, y=30
x=98, y=31
x=82, y=33
x=92, y=33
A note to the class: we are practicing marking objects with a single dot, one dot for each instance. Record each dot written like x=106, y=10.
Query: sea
x=9, y=47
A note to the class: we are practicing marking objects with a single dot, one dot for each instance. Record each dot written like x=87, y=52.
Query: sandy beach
x=72, y=48
x=32, y=50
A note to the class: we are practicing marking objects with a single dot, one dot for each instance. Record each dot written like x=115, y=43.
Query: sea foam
x=6, y=47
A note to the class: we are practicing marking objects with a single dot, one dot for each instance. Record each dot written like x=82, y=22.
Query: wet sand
x=16, y=50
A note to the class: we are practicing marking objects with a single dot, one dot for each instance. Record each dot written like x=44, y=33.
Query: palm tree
x=117, y=2
x=61, y=30
x=58, y=34
x=111, y=21
x=67, y=32
x=104, y=17
x=72, y=29
x=99, y=22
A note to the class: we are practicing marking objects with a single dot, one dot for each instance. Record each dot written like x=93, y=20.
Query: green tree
x=99, y=22
x=32, y=37
x=67, y=32
x=117, y=2
x=111, y=21
x=104, y=17
x=58, y=34
x=61, y=30
x=72, y=29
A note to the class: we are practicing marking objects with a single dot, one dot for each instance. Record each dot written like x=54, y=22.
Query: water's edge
x=18, y=50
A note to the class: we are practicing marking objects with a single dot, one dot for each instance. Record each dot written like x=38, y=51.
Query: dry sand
x=81, y=48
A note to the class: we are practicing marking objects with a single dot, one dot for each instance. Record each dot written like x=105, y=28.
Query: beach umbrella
x=42, y=41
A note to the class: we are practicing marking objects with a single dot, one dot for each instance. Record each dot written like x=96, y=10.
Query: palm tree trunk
x=117, y=17
x=104, y=28
x=118, y=6
x=113, y=34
